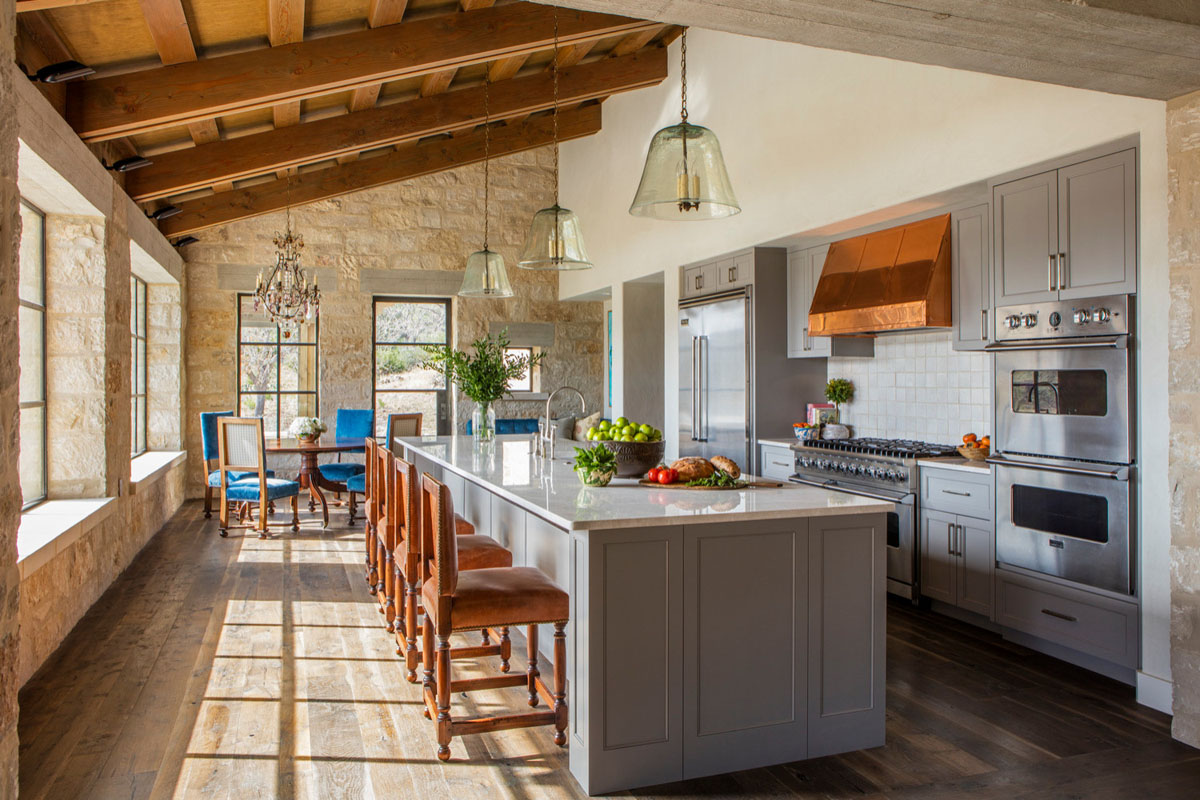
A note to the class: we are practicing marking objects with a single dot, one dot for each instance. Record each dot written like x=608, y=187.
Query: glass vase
x=483, y=422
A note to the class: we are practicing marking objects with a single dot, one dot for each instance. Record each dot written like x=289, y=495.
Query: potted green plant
x=595, y=465
x=838, y=391
x=482, y=376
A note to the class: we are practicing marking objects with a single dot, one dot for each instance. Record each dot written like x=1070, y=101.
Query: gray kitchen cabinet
x=804, y=271
x=775, y=462
x=1097, y=219
x=957, y=560
x=1067, y=232
x=736, y=271
x=700, y=279
x=971, y=261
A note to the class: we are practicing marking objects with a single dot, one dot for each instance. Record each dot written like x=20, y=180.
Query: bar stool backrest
x=438, y=536
x=369, y=478
x=409, y=526
x=401, y=425
x=383, y=496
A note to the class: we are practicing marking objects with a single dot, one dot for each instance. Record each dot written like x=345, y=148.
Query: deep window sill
x=51, y=527
x=151, y=465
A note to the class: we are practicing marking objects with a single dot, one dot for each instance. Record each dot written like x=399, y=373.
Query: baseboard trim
x=1154, y=692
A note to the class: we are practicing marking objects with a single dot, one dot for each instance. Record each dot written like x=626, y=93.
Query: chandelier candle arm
x=285, y=296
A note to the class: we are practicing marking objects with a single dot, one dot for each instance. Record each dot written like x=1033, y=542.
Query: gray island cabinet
x=710, y=631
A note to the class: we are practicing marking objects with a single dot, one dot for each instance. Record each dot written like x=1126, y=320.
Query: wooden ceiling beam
x=173, y=39
x=153, y=99
x=45, y=5
x=385, y=12
x=414, y=160
x=261, y=153
x=438, y=82
x=285, y=25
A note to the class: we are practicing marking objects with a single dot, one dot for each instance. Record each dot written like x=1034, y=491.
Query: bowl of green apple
x=638, y=446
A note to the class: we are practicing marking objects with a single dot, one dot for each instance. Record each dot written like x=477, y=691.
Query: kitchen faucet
x=546, y=440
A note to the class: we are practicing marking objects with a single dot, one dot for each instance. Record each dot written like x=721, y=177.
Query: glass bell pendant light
x=554, y=241
x=486, y=275
x=684, y=177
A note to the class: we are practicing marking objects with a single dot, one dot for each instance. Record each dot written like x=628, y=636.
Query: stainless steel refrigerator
x=736, y=383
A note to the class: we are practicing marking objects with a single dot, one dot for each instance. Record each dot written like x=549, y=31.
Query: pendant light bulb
x=554, y=241
x=485, y=274
x=684, y=177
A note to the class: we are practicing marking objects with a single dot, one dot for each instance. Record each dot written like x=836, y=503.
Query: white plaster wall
x=814, y=136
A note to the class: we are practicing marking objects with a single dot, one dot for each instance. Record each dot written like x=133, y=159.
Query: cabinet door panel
x=938, y=563
x=776, y=463
x=818, y=346
x=797, y=317
x=691, y=282
x=1097, y=220
x=1025, y=216
x=976, y=565
x=970, y=245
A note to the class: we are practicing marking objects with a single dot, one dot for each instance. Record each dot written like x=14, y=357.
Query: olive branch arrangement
x=484, y=375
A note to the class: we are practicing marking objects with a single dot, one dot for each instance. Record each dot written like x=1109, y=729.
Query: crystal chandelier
x=684, y=177
x=285, y=295
x=554, y=241
x=486, y=275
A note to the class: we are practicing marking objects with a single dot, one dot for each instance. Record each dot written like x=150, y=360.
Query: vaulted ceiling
x=247, y=105
x=1145, y=48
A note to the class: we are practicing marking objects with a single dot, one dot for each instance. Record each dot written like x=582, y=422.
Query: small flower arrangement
x=308, y=429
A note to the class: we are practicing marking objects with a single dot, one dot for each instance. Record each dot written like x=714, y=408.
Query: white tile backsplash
x=917, y=387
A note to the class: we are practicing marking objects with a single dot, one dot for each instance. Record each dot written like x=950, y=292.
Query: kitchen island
x=711, y=631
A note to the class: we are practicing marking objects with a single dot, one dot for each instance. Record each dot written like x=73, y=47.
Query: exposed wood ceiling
x=235, y=101
x=1144, y=48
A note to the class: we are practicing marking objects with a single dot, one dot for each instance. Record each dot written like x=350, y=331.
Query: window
x=277, y=374
x=31, y=295
x=137, y=342
x=524, y=384
x=403, y=327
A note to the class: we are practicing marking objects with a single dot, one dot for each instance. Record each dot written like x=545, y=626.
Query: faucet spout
x=548, y=437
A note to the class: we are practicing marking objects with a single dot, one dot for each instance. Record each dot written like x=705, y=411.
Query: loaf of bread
x=727, y=465
x=692, y=469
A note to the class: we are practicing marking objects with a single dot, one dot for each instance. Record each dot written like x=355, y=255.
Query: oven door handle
x=905, y=499
x=1113, y=473
x=1111, y=342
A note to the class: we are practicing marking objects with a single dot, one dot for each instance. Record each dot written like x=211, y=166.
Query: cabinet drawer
x=1092, y=624
x=776, y=463
x=957, y=492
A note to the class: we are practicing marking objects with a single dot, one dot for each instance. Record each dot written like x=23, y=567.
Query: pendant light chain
x=554, y=66
x=683, y=113
x=487, y=152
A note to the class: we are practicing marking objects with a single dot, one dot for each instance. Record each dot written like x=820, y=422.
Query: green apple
x=641, y=437
x=592, y=431
x=655, y=435
x=604, y=424
x=628, y=430
x=620, y=422
x=646, y=429
x=627, y=437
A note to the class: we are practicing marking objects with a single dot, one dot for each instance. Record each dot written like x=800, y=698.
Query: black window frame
x=527, y=351
x=24, y=404
x=445, y=395
x=137, y=369
x=279, y=343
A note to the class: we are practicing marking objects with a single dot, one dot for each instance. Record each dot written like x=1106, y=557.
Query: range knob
x=1030, y=320
x=859, y=469
x=1013, y=321
x=894, y=475
x=1082, y=316
x=872, y=472
x=1102, y=315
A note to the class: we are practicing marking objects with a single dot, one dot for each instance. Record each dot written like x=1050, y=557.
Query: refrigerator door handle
x=700, y=425
x=704, y=379
x=695, y=391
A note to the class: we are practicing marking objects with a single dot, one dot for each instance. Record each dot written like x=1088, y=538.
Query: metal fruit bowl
x=634, y=459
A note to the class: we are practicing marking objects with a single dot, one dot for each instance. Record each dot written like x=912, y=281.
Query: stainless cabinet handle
x=805, y=346
x=1057, y=615
x=960, y=535
x=732, y=274
x=695, y=392
x=983, y=326
x=960, y=494
x=699, y=281
x=780, y=464
x=949, y=539
x=1050, y=272
x=1062, y=270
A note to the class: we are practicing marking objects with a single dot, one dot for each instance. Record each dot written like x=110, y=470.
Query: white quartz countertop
x=551, y=490
x=961, y=464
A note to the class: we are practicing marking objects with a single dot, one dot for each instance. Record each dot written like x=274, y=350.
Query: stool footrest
x=543, y=690
x=491, y=682
x=504, y=722
x=474, y=651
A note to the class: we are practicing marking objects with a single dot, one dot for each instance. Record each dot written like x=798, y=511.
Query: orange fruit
x=969, y=438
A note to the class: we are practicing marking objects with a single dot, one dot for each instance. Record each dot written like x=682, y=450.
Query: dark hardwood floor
x=247, y=669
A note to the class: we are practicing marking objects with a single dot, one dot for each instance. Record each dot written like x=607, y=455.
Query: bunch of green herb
x=596, y=458
x=718, y=478
x=485, y=375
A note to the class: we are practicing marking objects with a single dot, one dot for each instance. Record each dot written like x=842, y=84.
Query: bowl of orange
x=975, y=448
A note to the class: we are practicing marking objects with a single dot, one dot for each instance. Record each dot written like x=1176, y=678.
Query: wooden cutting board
x=742, y=485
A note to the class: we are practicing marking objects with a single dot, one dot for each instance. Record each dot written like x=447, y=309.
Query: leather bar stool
x=371, y=515
x=475, y=552
x=458, y=600
x=385, y=533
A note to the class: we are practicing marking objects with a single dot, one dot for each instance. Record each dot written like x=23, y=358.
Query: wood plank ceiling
x=243, y=103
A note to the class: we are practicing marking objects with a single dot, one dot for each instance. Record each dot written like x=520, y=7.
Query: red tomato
x=653, y=474
x=668, y=475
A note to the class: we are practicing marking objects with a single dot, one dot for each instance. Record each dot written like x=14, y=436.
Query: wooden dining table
x=310, y=476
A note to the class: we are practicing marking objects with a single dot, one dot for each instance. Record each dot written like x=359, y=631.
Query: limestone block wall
x=430, y=224
x=60, y=592
x=75, y=363
x=10, y=491
x=164, y=365
x=1183, y=232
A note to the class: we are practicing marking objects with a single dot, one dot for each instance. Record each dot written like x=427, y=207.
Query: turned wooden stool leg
x=486, y=639
x=410, y=628
x=505, y=650
x=208, y=492
x=295, y=513
x=531, y=673
x=443, y=698
x=428, y=684
x=560, y=684
x=389, y=591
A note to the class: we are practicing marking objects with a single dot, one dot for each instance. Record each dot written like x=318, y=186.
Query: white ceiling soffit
x=145, y=267
x=40, y=184
x=1143, y=48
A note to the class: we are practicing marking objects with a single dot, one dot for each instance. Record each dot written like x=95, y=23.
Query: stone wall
x=164, y=365
x=429, y=224
x=1183, y=231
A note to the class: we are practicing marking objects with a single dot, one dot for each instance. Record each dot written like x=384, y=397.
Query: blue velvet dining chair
x=241, y=450
x=352, y=426
x=208, y=441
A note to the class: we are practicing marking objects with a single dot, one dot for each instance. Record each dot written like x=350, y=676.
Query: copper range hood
x=891, y=280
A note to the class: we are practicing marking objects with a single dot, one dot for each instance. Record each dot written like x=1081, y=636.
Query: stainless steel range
x=884, y=469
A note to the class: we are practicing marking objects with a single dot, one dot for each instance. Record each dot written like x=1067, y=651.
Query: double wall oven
x=1064, y=440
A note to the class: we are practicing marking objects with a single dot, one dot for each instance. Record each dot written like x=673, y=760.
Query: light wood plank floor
x=240, y=668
